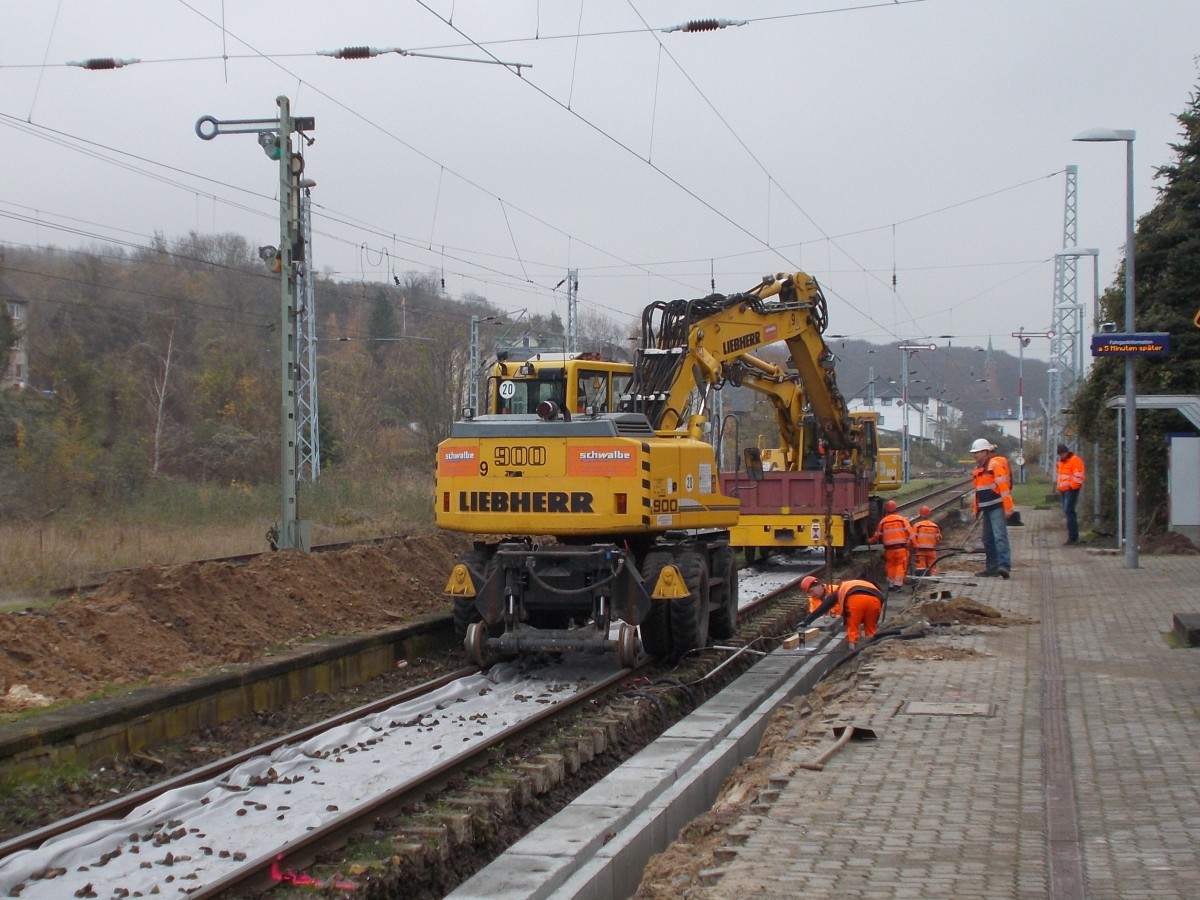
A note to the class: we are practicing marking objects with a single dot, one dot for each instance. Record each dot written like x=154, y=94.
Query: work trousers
x=925, y=560
x=995, y=538
x=1070, y=499
x=895, y=561
x=862, y=610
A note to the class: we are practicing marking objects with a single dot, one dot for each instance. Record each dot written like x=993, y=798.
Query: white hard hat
x=982, y=444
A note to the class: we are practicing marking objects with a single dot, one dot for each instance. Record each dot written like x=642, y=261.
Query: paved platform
x=1058, y=759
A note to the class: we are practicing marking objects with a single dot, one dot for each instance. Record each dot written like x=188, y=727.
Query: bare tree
x=158, y=384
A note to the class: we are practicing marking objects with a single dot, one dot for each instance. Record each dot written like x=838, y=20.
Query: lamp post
x=1094, y=253
x=1129, y=488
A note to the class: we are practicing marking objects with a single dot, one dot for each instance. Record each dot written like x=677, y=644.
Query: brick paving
x=1066, y=769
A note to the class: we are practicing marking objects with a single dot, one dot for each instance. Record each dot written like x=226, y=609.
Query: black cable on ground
x=675, y=682
x=878, y=637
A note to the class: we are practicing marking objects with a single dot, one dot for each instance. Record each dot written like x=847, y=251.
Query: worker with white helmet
x=993, y=502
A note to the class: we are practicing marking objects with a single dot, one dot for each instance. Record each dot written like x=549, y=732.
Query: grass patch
x=1034, y=491
x=58, y=777
x=179, y=521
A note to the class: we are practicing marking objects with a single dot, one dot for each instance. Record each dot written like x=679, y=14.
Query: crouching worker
x=860, y=602
x=927, y=535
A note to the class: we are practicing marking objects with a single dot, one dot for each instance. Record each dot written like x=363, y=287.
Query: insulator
x=355, y=53
x=106, y=62
x=702, y=25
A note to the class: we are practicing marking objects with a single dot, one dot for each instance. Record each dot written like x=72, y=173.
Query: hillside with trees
x=160, y=364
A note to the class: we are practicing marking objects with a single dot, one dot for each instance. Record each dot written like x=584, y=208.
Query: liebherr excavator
x=612, y=520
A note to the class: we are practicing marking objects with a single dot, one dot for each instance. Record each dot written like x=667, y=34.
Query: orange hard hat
x=925, y=511
x=890, y=506
x=808, y=582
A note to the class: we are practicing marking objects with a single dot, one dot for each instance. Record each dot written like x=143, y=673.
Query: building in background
x=929, y=418
x=16, y=369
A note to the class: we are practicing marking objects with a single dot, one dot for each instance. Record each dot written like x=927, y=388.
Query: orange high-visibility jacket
x=894, y=531
x=993, y=484
x=928, y=534
x=1070, y=473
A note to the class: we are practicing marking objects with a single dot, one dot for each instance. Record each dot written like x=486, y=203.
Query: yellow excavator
x=602, y=496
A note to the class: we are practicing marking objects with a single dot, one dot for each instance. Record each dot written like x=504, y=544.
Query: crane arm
x=692, y=346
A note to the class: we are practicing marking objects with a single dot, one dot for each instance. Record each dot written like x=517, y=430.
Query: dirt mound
x=966, y=611
x=159, y=623
x=1167, y=543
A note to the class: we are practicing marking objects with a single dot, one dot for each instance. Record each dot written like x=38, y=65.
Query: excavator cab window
x=600, y=389
x=592, y=389
x=522, y=395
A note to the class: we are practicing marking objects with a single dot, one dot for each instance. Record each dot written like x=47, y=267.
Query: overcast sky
x=924, y=138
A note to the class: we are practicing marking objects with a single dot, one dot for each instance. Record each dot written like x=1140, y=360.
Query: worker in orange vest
x=860, y=603
x=1070, y=482
x=992, y=503
x=896, y=534
x=927, y=536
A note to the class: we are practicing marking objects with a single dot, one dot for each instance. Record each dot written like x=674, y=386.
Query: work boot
x=1003, y=573
x=1069, y=541
x=987, y=573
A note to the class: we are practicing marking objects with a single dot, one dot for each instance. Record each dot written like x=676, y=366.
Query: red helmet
x=890, y=506
x=925, y=511
x=808, y=582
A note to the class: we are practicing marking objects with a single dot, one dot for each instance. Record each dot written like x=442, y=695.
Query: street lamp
x=1129, y=488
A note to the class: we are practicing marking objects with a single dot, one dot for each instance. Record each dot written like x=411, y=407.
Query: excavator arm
x=693, y=346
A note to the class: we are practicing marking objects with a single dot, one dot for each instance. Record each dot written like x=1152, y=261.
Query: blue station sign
x=1147, y=343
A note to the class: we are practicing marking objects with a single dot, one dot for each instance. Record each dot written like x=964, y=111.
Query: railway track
x=253, y=819
x=941, y=500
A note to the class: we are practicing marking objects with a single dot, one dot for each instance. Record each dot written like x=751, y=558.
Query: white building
x=929, y=419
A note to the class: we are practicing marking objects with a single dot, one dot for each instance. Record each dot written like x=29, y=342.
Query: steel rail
x=123, y=805
x=952, y=493
x=267, y=870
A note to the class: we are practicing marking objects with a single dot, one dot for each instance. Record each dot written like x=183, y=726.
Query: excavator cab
x=576, y=382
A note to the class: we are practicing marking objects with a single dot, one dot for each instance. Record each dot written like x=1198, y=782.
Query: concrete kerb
x=598, y=846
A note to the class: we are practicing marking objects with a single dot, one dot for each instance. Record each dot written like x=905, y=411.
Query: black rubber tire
x=656, y=629
x=722, y=620
x=689, y=615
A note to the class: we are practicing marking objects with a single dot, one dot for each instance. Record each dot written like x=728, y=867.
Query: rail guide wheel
x=476, y=644
x=627, y=646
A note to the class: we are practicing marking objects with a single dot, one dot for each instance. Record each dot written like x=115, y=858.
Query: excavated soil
x=163, y=623
x=1168, y=543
